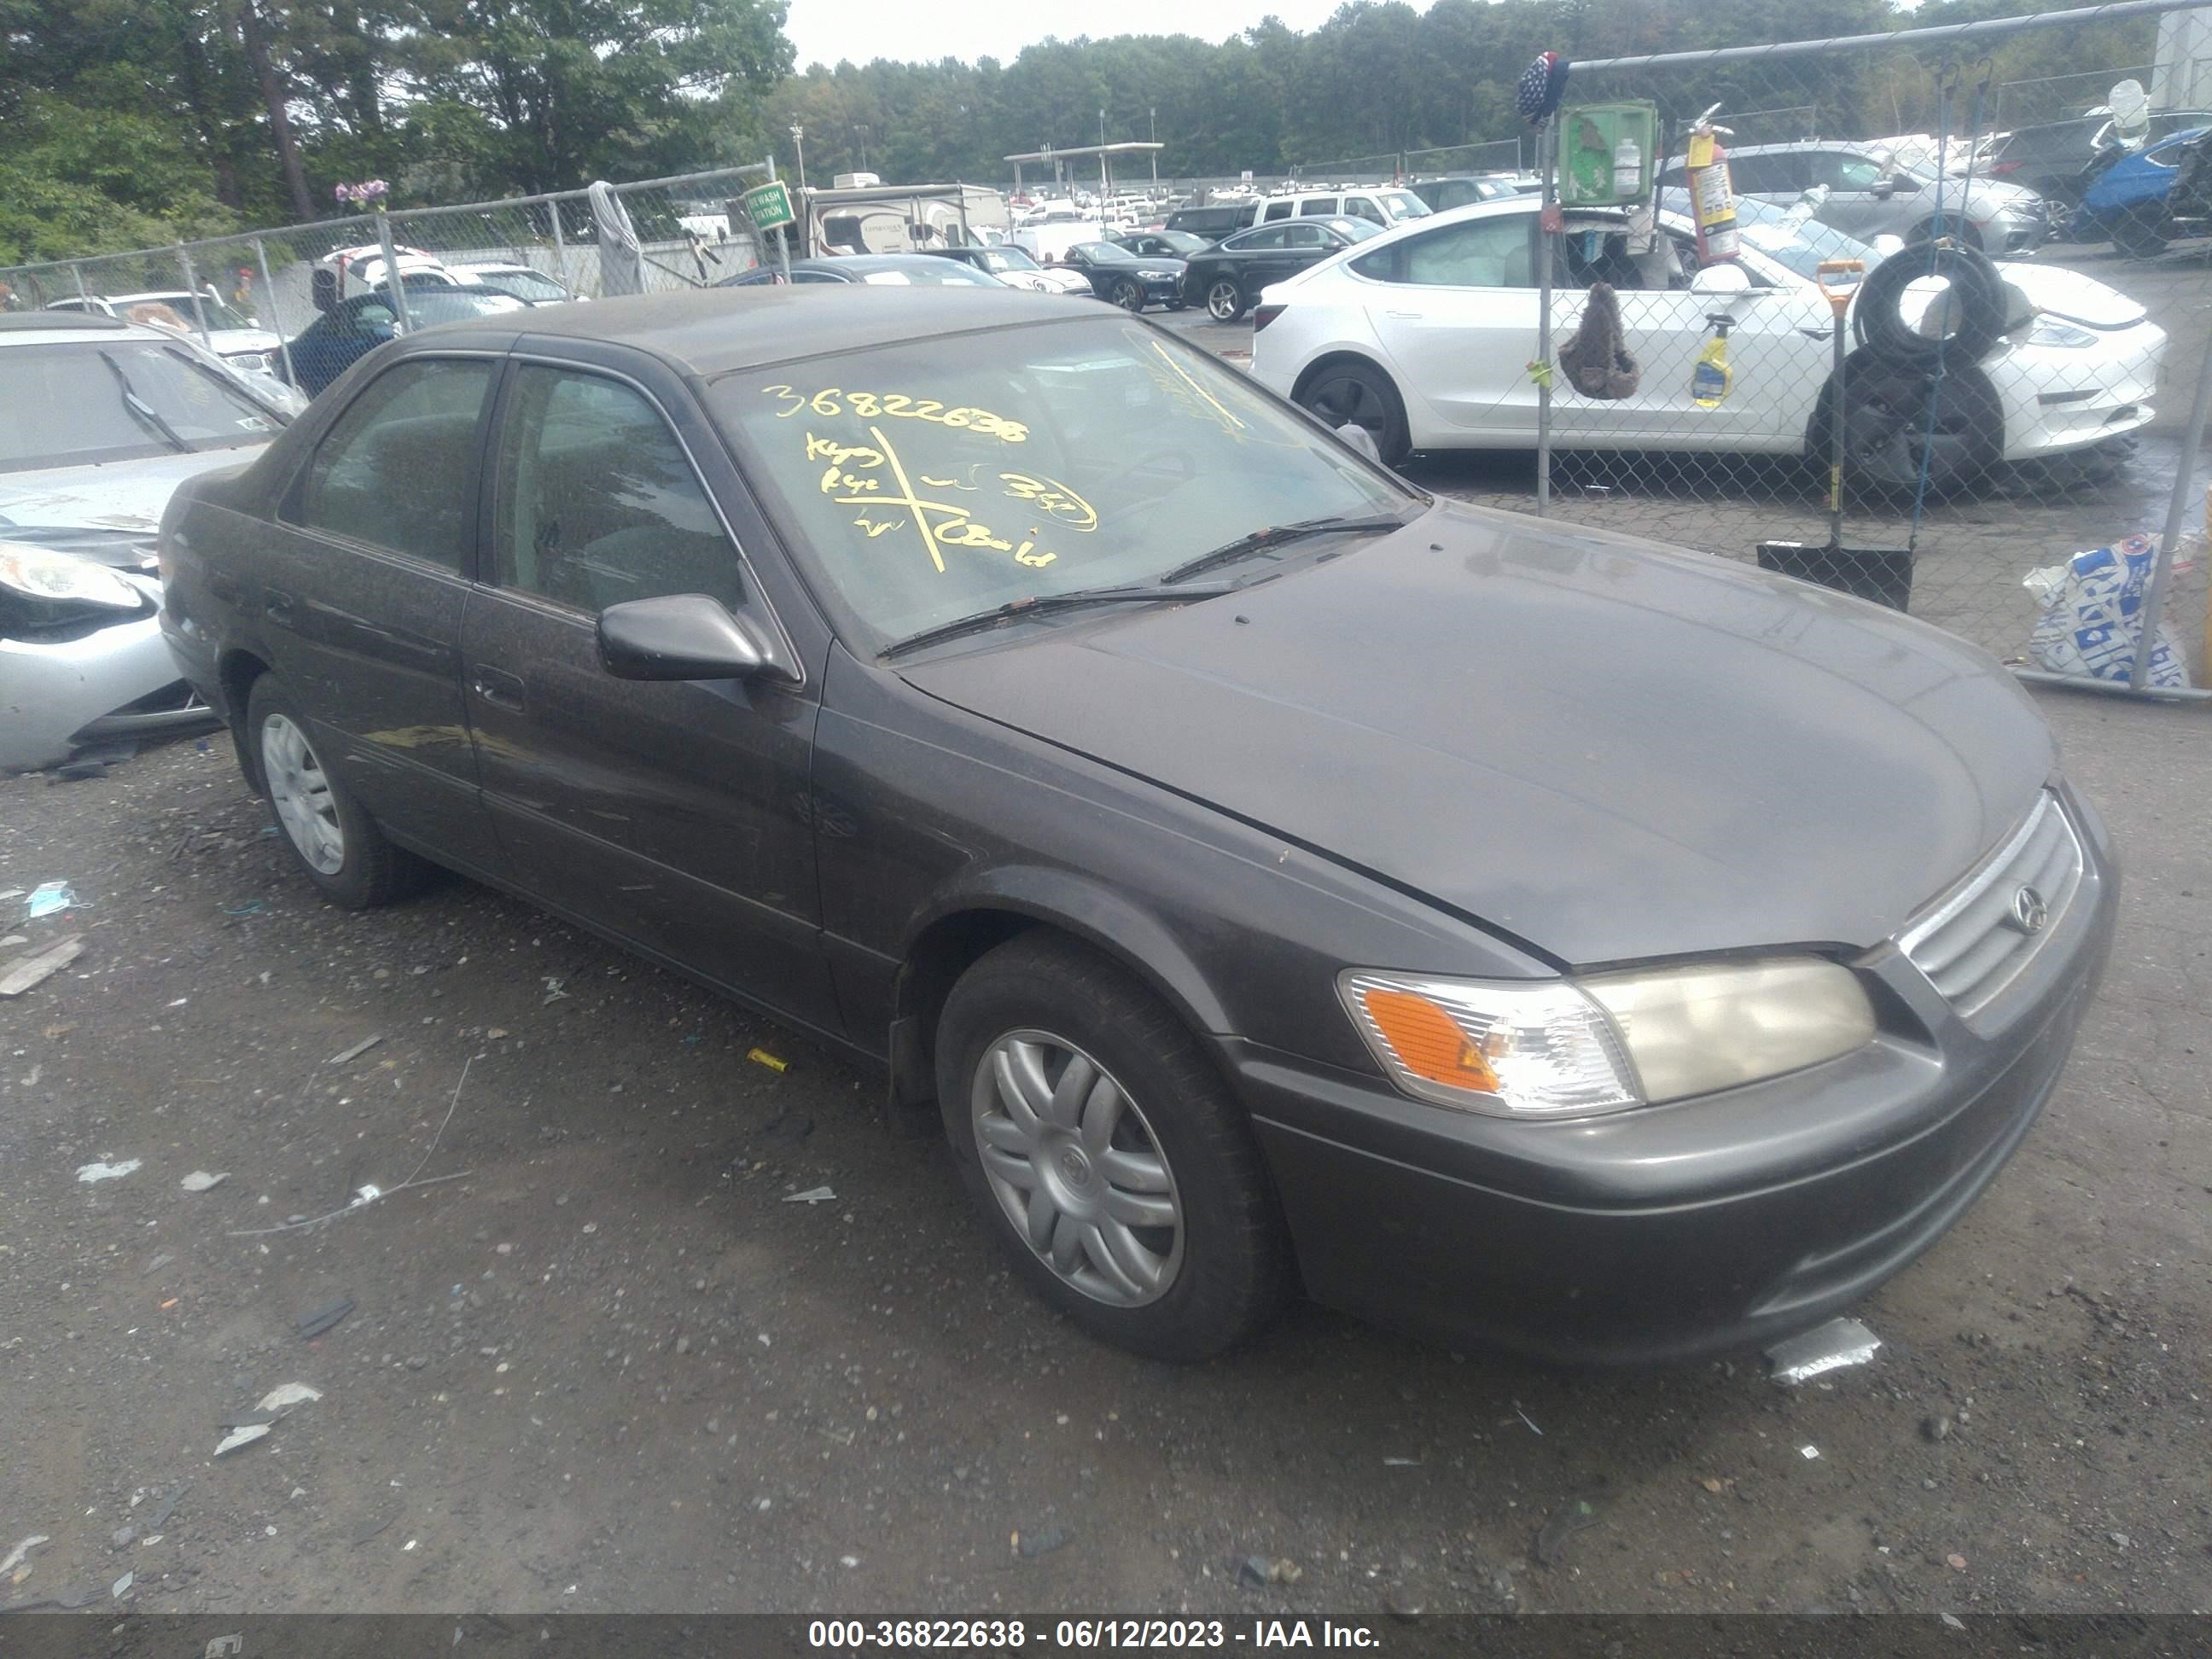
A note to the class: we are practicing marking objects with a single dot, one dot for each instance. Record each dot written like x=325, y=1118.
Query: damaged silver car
x=100, y=421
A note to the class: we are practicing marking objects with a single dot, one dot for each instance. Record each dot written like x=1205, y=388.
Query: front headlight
x=2049, y=331
x=253, y=362
x=1156, y=275
x=1561, y=1048
x=39, y=572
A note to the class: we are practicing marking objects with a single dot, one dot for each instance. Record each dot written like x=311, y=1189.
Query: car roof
x=715, y=331
x=25, y=324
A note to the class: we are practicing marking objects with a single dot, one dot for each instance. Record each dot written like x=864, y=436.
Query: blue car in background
x=353, y=328
x=2145, y=201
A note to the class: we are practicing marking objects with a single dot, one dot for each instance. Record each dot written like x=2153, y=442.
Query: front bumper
x=2058, y=398
x=1663, y=1234
x=56, y=696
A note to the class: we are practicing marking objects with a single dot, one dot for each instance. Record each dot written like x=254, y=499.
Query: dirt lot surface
x=610, y=1365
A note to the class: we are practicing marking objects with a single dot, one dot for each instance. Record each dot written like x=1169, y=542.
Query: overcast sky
x=824, y=30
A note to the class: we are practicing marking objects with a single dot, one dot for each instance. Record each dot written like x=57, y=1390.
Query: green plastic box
x=1602, y=146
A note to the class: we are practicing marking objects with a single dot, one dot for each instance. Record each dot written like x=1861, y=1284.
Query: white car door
x=1778, y=349
x=1455, y=309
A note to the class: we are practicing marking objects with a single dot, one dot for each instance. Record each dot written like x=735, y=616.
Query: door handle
x=1403, y=316
x=498, y=688
x=278, y=607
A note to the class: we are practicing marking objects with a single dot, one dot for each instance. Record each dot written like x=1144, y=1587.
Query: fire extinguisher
x=1712, y=199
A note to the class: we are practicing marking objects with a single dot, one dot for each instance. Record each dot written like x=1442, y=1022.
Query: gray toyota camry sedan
x=1278, y=880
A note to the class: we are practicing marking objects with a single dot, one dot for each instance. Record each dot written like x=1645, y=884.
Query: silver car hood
x=113, y=495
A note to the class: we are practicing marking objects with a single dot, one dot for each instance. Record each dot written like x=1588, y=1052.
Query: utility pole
x=806, y=212
x=1152, y=128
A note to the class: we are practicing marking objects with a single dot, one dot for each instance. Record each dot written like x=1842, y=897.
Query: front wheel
x=336, y=843
x=1352, y=393
x=1129, y=294
x=1105, y=1153
x=1887, y=427
x=1224, y=301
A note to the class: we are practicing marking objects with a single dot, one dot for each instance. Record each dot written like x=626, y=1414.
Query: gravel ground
x=608, y=1365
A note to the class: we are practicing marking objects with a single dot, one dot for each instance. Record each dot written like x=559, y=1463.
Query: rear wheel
x=1350, y=392
x=1224, y=301
x=336, y=842
x=1129, y=294
x=1105, y=1153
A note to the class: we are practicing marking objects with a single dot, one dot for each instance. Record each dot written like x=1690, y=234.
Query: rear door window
x=393, y=472
x=1318, y=207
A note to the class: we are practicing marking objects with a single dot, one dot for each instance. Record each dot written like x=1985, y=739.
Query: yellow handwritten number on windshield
x=832, y=402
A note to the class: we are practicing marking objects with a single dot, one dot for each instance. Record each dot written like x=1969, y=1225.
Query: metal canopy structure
x=1052, y=153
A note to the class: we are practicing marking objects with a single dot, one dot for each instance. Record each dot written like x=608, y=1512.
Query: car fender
x=1090, y=909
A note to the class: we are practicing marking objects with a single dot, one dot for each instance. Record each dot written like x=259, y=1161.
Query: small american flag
x=1540, y=87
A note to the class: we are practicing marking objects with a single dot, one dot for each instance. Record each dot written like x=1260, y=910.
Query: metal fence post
x=192, y=288
x=76, y=270
x=560, y=246
x=391, y=270
x=2177, y=514
x=782, y=234
x=1548, y=154
x=269, y=287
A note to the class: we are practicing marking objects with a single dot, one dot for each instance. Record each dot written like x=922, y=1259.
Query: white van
x=1384, y=204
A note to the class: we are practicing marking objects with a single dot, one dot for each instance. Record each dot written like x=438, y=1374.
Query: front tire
x=1885, y=427
x=1129, y=294
x=1224, y=301
x=1105, y=1153
x=335, y=842
x=1349, y=392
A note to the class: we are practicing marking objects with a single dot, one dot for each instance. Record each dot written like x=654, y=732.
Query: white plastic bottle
x=1627, y=167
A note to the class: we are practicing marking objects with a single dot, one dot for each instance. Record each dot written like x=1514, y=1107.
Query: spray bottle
x=1710, y=376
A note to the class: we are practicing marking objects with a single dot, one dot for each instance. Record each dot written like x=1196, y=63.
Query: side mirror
x=1884, y=189
x=1722, y=278
x=682, y=636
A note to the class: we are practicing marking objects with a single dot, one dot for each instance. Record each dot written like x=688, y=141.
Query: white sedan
x=1423, y=336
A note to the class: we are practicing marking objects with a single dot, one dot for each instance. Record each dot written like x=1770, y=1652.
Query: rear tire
x=1105, y=1153
x=1224, y=301
x=334, y=839
x=1352, y=392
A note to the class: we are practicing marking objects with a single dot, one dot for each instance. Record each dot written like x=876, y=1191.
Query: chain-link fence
x=1508, y=155
x=270, y=300
x=2016, y=391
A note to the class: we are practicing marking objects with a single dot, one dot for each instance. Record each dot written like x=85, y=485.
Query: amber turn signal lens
x=1428, y=1042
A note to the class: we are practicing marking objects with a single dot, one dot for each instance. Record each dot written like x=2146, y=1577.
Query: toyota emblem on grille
x=2028, y=912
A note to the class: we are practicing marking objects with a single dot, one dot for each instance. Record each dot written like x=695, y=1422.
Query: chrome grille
x=1975, y=940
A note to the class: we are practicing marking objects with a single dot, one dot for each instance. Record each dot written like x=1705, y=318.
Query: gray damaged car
x=99, y=421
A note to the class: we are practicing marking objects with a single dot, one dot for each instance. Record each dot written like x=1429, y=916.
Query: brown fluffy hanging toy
x=1595, y=356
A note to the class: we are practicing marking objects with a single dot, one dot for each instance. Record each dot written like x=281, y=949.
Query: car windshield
x=1008, y=257
x=1402, y=204
x=1180, y=242
x=218, y=314
x=426, y=307
x=523, y=284
x=1797, y=241
x=924, y=272
x=73, y=404
x=1102, y=252
x=1044, y=458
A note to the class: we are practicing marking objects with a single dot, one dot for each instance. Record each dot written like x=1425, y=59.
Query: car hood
x=124, y=497
x=1605, y=749
x=2069, y=295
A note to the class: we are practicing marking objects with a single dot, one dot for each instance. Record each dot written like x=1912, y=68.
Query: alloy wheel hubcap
x=302, y=795
x=1076, y=1168
x=1222, y=302
x=1347, y=402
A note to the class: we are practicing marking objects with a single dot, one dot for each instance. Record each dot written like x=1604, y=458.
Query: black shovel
x=1882, y=574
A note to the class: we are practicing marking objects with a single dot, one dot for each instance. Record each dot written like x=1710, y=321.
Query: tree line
x=127, y=123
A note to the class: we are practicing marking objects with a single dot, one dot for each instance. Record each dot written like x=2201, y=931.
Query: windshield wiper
x=144, y=411
x=1280, y=535
x=1044, y=603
